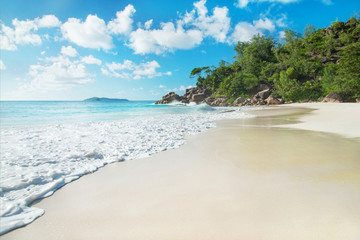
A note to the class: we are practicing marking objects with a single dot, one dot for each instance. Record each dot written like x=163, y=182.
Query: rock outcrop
x=169, y=98
x=219, y=101
x=262, y=97
x=333, y=98
x=195, y=95
x=271, y=100
x=239, y=101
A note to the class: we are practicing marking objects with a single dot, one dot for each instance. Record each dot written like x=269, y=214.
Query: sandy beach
x=293, y=172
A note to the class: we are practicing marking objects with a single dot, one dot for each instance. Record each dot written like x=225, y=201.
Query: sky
x=136, y=49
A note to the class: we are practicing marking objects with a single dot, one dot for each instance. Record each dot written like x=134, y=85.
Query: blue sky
x=135, y=49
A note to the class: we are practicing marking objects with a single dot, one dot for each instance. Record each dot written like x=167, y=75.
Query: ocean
x=46, y=144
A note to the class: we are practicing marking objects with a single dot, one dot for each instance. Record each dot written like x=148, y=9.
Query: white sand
x=338, y=118
x=242, y=180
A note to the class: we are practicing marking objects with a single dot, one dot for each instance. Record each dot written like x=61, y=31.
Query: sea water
x=45, y=145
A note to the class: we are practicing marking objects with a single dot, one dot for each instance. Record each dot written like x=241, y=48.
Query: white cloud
x=57, y=73
x=185, y=33
x=7, y=39
x=24, y=32
x=162, y=86
x=281, y=22
x=168, y=38
x=244, y=31
x=281, y=35
x=265, y=24
x=90, y=34
x=123, y=22
x=216, y=25
x=130, y=70
x=244, y=3
x=91, y=60
x=69, y=51
x=2, y=65
x=47, y=21
x=182, y=88
x=148, y=24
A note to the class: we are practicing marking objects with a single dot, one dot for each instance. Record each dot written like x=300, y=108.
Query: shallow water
x=45, y=145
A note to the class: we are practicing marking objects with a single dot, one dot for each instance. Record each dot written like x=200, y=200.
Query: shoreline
x=182, y=193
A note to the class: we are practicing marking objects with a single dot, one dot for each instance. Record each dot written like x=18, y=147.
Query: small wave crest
x=54, y=155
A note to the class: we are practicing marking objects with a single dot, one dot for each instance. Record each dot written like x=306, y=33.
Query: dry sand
x=243, y=180
x=338, y=118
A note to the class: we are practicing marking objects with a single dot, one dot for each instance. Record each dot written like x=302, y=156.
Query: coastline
x=245, y=179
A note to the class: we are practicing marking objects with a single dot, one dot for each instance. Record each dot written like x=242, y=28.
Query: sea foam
x=38, y=160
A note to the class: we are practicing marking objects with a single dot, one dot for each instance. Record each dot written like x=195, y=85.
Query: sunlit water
x=45, y=145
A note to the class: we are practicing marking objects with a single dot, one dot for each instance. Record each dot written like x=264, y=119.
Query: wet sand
x=245, y=179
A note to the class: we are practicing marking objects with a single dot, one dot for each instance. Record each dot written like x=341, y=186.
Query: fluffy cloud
x=2, y=65
x=24, y=32
x=244, y=31
x=182, y=88
x=130, y=70
x=244, y=3
x=123, y=22
x=188, y=31
x=47, y=21
x=216, y=25
x=265, y=24
x=281, y=34
x=148, y=24
x=69, y=51
x=92, y=33
x=57, y=73
x=167, y=38
x=7, y=39
x=91, y=60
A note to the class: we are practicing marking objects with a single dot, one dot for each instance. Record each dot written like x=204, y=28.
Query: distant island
x=97, y=99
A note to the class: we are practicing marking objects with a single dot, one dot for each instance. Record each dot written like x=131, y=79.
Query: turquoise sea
x=25, y=113
x=45, y=145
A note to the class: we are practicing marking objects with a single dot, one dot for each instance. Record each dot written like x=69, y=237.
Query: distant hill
x=97, y=99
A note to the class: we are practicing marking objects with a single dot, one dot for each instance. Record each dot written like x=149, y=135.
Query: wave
x=38, y=160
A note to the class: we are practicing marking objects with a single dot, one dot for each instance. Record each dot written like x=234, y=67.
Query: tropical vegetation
x=297, y=67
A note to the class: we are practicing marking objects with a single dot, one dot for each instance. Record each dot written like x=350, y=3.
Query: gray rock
x=199, y=97
x=220, y=101
x=263, y=87
x=239, y=101
x=333, y=98
x=168, y=98
x=271, y=100
x=263, y=94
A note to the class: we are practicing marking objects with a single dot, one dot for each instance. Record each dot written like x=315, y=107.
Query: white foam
x=35, y=161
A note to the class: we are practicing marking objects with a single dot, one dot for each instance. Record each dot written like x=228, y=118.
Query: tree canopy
x=298, y=67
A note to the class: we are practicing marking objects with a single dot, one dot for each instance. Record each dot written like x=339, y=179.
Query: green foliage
x=329, y=80
x=287, y=88
x=250, y=81
x=348, y=73
x=255, y=55
x=302, y=67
